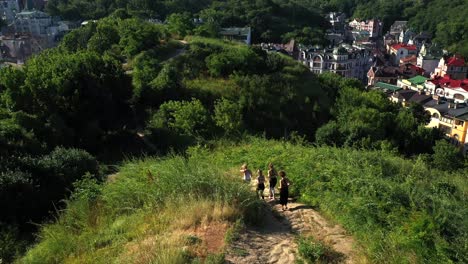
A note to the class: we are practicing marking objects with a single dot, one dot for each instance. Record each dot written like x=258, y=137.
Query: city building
x=397, y=27
x=372, y=26
x=405, y=36
x=237, y=34
x=345, y=60
x=17, y=48
x=428, y=58
x=34, y=22
x=8, y=10
x=454, y=66
x=399, y=51
x=407, y=97
x=337, y=21
x=416, y=83
x=448, y=89
x=450, y=118
x=420, y=39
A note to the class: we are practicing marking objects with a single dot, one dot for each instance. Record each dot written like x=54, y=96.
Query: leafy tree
x=77, y=96
x=185, y=117
x=137, y=35
x=307, y=36
x=180, y=24
x=446, y=156
x=78, y=39
x=145, y=69
x=329, y=134
x=105, y=37
x=228, y=116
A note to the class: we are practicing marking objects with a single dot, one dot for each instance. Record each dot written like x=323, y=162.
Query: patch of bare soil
x=212, y=238
x=274, y=241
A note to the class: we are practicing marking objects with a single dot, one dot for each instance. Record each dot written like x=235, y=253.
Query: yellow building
x=451, y=119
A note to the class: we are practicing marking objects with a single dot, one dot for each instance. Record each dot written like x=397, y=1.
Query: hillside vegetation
x=279, y=20
x=401, y=211
x=123, y=87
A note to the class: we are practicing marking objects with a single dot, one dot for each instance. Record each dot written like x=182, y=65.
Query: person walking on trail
x=246, y=172
x=272, y=177
x=260, y=184
x=284, y=190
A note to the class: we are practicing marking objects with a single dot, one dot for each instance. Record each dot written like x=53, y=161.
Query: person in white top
x=246, y=172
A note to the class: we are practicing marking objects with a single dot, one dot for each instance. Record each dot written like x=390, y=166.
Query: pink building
x=373, y=26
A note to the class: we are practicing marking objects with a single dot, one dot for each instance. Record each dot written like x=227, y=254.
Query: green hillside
x=400, y=211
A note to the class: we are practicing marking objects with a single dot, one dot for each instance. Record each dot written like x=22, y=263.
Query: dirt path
x=274, y=242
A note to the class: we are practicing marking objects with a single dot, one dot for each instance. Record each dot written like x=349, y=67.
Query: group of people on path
x=273, y=180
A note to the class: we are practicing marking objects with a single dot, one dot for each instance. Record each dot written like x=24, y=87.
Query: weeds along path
x=274, y=242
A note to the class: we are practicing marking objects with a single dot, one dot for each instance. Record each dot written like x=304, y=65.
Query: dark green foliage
x=307, y=36
x=137, y=36
x=10, y=246
x=78, y=38
x=180, y=24
x=184, y=117
x=33, y=186
x=369, y=120
x=228, y=116
x=76, y=96
x=446, y=156
x=313, y=251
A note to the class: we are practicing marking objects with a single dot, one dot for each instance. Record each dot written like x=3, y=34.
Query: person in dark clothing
x=284, y=190
x=272, y=177
x=260, y=184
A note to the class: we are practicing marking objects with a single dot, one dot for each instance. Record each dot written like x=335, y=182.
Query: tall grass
x=400, y=210
x=143, y=215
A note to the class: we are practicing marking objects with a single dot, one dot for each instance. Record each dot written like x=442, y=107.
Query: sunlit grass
x=400, y=211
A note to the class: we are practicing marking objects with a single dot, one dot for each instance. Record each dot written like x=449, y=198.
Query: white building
x=8, y=10
x=345, y=60
x=399, y=51
x=34, y=22
x=428, y=58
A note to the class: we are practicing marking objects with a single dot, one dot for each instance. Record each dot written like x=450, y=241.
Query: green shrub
x=313, y=251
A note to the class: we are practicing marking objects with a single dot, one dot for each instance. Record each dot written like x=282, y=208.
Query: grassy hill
x=167, y=210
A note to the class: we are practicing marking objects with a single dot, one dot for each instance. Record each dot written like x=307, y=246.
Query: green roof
x=418, y=80
x=387, y=86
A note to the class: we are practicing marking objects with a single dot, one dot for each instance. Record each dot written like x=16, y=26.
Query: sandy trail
x=274, y=241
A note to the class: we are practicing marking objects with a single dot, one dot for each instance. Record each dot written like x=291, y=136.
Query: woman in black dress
x=284, y=190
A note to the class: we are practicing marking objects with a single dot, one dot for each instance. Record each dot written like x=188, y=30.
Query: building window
x=446, y=120
x=445, y=129
x=435, y=115
x=459, y=97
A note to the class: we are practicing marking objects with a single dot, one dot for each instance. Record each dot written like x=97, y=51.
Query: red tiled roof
x=447, y=82
x=404, y=46
x=456, y=61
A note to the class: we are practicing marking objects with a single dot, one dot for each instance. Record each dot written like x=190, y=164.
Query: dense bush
x=370, y=120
